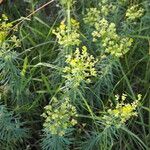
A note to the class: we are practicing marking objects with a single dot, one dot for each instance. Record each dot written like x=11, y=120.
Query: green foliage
x=76, y=73
x=12, y=131
x=54, y=142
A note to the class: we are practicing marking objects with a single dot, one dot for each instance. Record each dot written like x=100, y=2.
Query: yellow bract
x=134, y=12
x=3, y=35
x=121, y=113
x=68, y=36
x=95, y=14
x=111, y=41
x=81, y=66
x=92, y=16
x=59, y=117
x=4, y=27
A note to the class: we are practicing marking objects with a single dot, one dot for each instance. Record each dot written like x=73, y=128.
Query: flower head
x=93, y=15
x=80, y=67
x=121, y=113
x=68, y=36
x=111, y=41
x=134, y=12
x=59, y=116
x=5, y=26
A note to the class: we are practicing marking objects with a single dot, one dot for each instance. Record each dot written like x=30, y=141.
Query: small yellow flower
x=121, y=113
x=4, y=17
x=134, y=12
x=59, y=116
x=66, y=36
x=74, y=23
x=80, y=67
x=111, y=41
x=62, y=26
x=95, y=14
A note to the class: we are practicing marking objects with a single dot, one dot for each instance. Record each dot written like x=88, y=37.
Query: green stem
x=68, y=15
x=133, y=95
x=68, y=23
x=127, y=80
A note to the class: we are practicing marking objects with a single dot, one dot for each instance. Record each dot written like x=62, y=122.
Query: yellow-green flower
x=134, y=12
x=121, y=113
x=3, y=35
x=122, y=2
x=59, y=116
x=92, y=16
x=80, y=67
x=65, y=3
x=16, y=41
x=111, y=41
x=68, y=36
x=106, y=8
x=95, y=14
x=4, y=27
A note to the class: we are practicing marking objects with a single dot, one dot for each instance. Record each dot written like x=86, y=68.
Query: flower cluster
x=65, y=3
x=121, y=113
x=111, y=41
x=81, y=66
x=68, y=36
x=92, y=16
x=59, y=117
x=95, y=14
x=122, y=2
x=4, y=27
x=134, y=12
x=106, y=7
x=11, y=42
x=16, y=42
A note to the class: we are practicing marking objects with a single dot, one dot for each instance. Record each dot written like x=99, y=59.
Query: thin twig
x=27, y=17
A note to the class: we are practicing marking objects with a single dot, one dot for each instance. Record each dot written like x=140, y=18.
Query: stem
x=68, y=16
x=68, y=24
x=127, y=80
x=31, y=14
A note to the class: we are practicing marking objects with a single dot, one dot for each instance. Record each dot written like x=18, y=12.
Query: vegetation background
x=32, y=76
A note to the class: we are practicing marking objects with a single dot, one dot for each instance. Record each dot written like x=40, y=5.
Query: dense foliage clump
x=75, y=75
